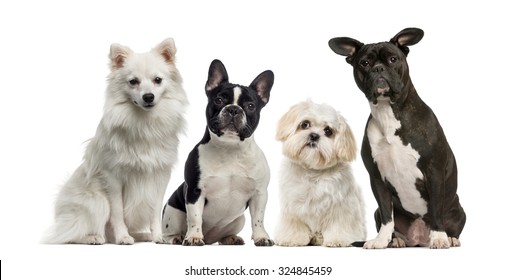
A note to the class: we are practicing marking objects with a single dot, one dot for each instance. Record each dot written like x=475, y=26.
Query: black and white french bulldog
x=412, y=168
x=226, y=172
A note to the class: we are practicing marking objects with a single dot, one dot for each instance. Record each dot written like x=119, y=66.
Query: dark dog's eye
x=393, y=59
x=328, y=131
x=134, y=82
x=364, y=63
x=250, y=107
x=305, y=125
x=218, y=101
x=158, y=80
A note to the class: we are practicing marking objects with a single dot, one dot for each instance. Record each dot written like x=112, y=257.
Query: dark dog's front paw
x=232, y=240
x=264, y=242
x=193, y=241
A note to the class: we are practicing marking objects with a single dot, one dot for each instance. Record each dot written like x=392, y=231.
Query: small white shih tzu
x=321, y=204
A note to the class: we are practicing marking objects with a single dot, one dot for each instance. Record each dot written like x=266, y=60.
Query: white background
x=53, y=65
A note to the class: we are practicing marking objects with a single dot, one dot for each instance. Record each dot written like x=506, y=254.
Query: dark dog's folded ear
x=263, y=85
x=217, y=75
x=407, y=37
x=345, y=46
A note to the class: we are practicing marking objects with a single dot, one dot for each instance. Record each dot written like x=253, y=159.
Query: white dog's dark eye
x=328, y=131
x=134, y=82
x=157, y=80
x=305, y=125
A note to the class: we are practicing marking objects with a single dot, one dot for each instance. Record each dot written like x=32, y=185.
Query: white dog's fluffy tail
x=82, y=211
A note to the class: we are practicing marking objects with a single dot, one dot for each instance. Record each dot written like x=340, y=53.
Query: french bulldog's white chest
x=396, y=162
x=230, y=175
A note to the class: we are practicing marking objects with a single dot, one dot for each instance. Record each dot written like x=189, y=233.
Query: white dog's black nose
x=314, y=137
x=148, y=97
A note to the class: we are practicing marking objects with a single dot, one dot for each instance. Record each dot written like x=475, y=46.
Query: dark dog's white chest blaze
x=396, y=162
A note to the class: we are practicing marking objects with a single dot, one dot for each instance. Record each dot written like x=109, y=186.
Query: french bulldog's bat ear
x=263, y=85
x=345, y=46
x=407, y=37
x=217, y=75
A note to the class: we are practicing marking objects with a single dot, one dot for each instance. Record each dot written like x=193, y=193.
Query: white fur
x=396, y=162
x=321, y=203
x=116, y=194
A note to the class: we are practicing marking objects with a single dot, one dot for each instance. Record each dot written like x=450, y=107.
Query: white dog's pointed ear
x=345, y=141
x=167, y=49
x=217, y=75
x=263, y=85
x=118, y=55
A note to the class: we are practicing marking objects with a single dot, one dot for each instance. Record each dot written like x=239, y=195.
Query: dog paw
x=232, y=240
x=377, y=243
x=126, y=240
x=335, y=244
x=173, y=239
x=94, y=239
x=397, y=242
x=454, y=242
x=264, y=242
x=193, y=241
x=439, y=240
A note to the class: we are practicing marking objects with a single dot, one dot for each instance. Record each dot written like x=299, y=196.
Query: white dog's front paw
x=293, y=241
x=93, y=239
x=125, y=240
x=377, y=243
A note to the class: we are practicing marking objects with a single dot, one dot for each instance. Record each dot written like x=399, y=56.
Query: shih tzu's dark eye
x=328, y=131
x=158, y=80
x=134, y=82
x=304, y=125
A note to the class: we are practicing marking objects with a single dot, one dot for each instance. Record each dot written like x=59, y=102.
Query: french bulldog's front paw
x=397, y=242
x=193, y=241
x=454, y=242
x=377, y=243
x=264, y=242
x=439, y=240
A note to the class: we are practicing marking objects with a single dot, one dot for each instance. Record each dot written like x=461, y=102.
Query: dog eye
x=134, y=82
x=328, y=131
x=158, y=80
x=393, y=59
x=218, y=101
x=305, y=125
x=364, y=63
x=251, y=107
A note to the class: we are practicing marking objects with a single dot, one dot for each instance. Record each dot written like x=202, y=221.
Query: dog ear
x=167, y=49
x=118, y=55
x=263, y=85
x=407, y=37
x=217, y=75
x=345, y=46
x=345, y=141
x=288, y=123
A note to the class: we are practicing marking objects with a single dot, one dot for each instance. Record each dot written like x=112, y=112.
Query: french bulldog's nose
x=378, y=68
x=148, y=97
x=233, y=111
x=314, y=137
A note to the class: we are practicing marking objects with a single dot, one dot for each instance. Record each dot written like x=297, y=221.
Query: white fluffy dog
x=116, y=194
x=321, y=204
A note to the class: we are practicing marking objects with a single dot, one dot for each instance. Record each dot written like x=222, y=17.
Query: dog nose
x=232, y=110
x=314, y=137
x=148, y=97
x=378, y=68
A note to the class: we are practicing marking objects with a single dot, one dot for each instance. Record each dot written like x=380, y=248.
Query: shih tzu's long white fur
x=116, y=194
x=321, y=204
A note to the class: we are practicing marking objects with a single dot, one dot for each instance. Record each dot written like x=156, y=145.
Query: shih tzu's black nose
x=314, y=137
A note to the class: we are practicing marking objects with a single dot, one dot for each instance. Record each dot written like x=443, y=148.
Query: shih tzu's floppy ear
x=287, y=125
x=346, y=146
